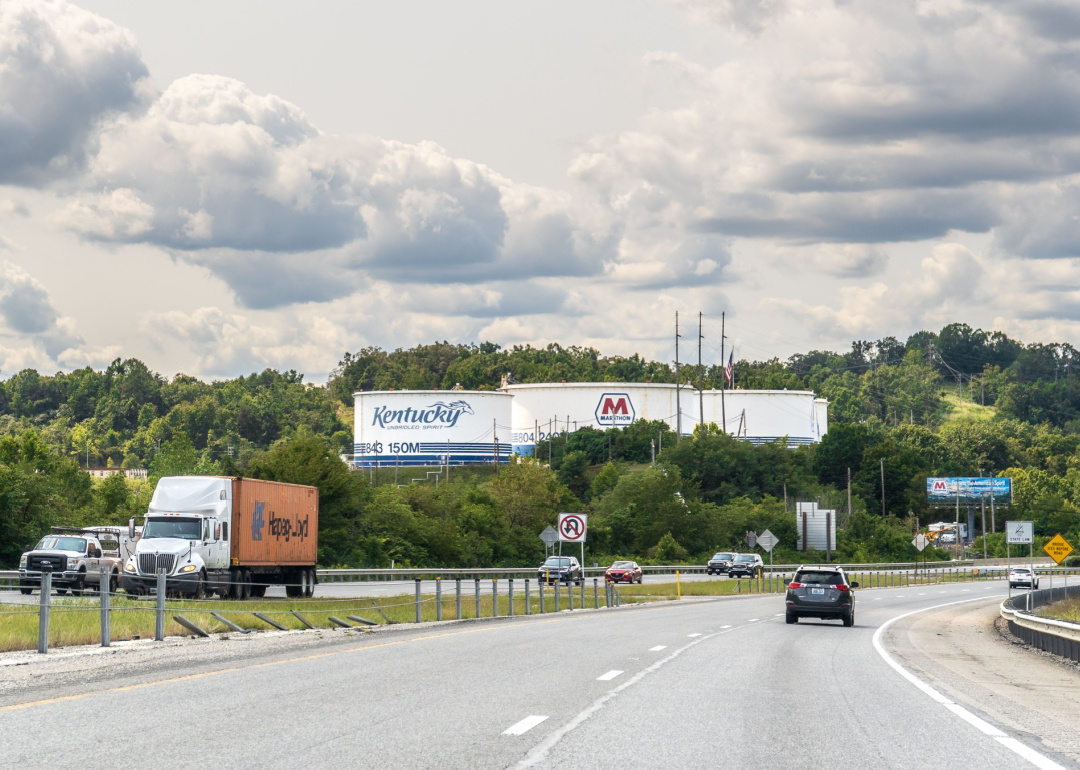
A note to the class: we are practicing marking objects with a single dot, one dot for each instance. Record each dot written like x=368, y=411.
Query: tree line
x=957, y=402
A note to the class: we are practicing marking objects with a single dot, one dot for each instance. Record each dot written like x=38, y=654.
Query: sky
x=217, y=188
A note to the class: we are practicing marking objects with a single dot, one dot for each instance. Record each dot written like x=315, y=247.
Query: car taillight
x=841, y=588
x=793, y=584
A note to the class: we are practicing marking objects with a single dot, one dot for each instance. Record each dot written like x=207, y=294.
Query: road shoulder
x=958, y=650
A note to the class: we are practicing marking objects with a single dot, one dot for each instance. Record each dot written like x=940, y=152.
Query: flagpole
x=723, y=378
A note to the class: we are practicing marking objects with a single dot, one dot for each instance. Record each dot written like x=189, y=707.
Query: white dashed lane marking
x=658, y=647
x=524, y=725
x=691, y=636
x=608, y=676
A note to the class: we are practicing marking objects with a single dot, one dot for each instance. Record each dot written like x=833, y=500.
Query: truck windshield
x=52, y=543
x=185, y=529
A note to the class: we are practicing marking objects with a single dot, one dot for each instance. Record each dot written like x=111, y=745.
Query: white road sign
x=767, y=540
x=572, y=527
x=920, y=541
x=1019, y=532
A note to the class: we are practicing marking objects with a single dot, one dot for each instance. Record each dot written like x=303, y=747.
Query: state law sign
x=572, y=527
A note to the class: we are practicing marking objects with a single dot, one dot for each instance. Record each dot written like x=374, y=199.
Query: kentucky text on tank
x=439, y=412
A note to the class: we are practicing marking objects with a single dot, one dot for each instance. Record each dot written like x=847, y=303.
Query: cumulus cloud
x=849, y=260
x=222, y=343
x=949, y=278
x=39, y=335
x=62, y=70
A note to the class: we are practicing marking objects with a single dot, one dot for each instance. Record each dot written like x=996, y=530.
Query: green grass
x=962, y=409
x=1064, y=610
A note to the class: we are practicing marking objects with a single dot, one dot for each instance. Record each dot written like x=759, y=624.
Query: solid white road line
x=608, y=676
x=658, y=647
x=524, y=725
x=1018, y=748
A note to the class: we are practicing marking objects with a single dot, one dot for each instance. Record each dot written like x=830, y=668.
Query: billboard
x=971, y=490
x=430, y=427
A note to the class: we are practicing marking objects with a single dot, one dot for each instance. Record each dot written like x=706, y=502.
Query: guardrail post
x=557, y=595
x=570, y=595
x=510, y=593
x=438, y=598
x=43, y=611
x=457, y=590
x=540, y=587
x=582, y=590
x=159, y=621
x=617, y=603
x=477, y=588
x=417, y=600
x=103, y=592
x=494, y=598
x=595, y=594
x=528, y=604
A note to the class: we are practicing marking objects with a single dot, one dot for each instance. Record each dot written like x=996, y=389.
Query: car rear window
x=820, y=578
x=723, y=556
x=747, y=558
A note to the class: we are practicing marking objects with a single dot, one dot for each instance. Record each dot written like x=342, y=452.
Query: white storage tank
x=430, y=428
x=759, y=416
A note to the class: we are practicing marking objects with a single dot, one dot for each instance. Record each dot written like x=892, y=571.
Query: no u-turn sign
x=572, y=527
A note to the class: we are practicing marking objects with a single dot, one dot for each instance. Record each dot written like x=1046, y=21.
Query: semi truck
x=228, y=536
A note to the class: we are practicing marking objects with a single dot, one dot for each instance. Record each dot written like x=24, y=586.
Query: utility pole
x=678, y=404
x=495, y=445
x=700, y=378
x=723, y=377
x=849, y=491
x=959, y=544
x=883, y=487
x=993, y=524
x=983, y=501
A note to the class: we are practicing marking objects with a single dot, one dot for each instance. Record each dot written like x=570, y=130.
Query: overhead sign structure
x=1019, y=532
x=767, y=540
x=1058, y=548
x=572, y=527
x=971, y=490
x=920, y=541
x=549, y=536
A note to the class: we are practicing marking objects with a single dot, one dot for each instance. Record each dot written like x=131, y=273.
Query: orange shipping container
x=274, y=524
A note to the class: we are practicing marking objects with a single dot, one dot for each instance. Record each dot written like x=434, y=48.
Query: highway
x=704, y=683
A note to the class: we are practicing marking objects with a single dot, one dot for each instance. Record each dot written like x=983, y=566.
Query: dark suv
x=820, y=592
x=561, y=569
x=720, y=562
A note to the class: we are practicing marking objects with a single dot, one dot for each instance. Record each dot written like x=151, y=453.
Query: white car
x=1023, y=576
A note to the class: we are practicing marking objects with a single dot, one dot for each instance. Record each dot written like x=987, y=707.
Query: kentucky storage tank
x=541, y=410
x=431, y=427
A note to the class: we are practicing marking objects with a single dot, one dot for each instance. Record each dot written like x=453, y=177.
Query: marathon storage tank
x=759, y=416
x=431, y=427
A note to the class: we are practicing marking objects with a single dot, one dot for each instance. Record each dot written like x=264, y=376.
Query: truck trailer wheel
x=310, y=583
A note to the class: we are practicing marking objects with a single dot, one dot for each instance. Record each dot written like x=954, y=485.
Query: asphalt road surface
x=707, y=683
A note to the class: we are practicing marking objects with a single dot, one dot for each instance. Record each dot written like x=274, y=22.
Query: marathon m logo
x=440, y=414
x=258, y=521
x=615, y=409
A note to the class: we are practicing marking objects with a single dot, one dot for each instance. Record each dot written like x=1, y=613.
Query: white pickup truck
x=76, y=558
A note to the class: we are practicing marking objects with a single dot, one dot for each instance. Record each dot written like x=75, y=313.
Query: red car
x=623, y=572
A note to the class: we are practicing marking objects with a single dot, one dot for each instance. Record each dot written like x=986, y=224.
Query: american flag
x=729, y=370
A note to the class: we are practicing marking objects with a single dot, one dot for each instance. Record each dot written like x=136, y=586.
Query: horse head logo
x=456, y=406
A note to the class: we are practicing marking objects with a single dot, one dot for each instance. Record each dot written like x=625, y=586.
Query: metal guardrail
x=10, y=578
x=1059, y=637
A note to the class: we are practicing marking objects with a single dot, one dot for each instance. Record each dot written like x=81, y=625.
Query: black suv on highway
x=720, y=562
x=562, y=569
x=820, y=592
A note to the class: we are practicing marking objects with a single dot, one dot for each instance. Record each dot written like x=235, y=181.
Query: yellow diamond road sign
x=1058, y=548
